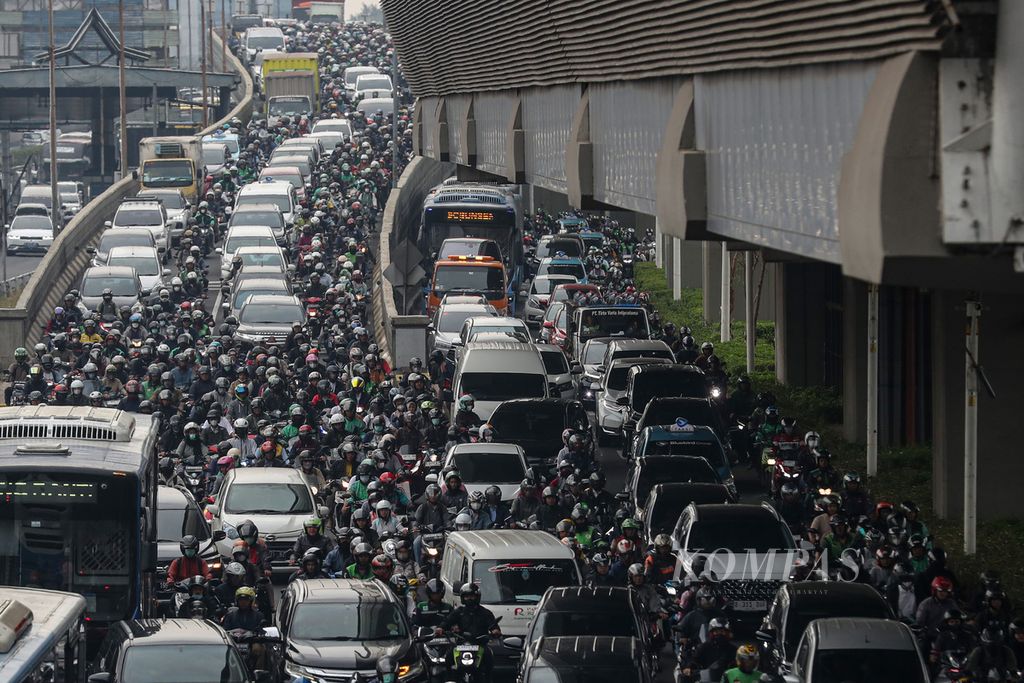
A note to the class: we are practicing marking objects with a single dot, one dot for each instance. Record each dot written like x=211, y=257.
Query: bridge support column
x=800, y=312
x=711, y=280
x=855, y=330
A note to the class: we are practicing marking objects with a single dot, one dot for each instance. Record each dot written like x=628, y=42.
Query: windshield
x=260, y=258
x=866, y=666
x=281, y=201
x=665, y=513
x=490, y=468
x=451, y=321
x=574, y=269
x=124, y=238
x=138, y=217
x=503, y=386
x=172, y=523
x=374, y=83
x=143, y=265
x=268, y=499
x=295, y=179
x=289, y=104
x=348, y=621
x=593, y=352
x=709, y=450
x=214, y=155
x=31, y=223
x=521, y=582
x=191, y=663
x=167, y=173
x=246, y=294
x=37, y=197
x=265, y=42
x=760, y=535
x=614, y=322
x=236, y=243
x=120, y=286
x=544, y=285
x=352, y=75
x=617, y=378
x=467, y=278
x=566, y=293
x=608, y=623
x=569, y=248
x=643, y=353
x=271, y=219
x=540, y=422
x=648, y=385
x=671, y=470
x=554, y=362
x=514, y=331
x=171, y=200
x=274, y=314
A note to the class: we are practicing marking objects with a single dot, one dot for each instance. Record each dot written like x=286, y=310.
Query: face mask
x=476, y=506
x=190, y=553
x=365, y=478
x=193, y=437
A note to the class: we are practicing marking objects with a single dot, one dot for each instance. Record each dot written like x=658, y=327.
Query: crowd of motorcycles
x=371, y=441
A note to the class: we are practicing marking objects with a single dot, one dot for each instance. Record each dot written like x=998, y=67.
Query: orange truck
x=484, y=275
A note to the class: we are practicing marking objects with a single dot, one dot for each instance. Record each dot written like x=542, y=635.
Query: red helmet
x=267, y=447
x=388, y=478
x=941, y=583
x=382, y=566
x=225, y=461
x=305, y=429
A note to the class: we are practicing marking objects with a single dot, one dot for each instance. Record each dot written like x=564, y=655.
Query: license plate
x=465, y=648
x=749, y=605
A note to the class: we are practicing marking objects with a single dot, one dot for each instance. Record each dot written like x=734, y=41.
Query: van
x=263, y=38
x=280, y=193
x=499, y=371
x=513, y=569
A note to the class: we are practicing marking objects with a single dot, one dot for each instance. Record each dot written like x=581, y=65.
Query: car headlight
x=229, y=530
x=296, y=671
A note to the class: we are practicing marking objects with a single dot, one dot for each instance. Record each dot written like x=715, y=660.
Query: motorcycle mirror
x=323, y=511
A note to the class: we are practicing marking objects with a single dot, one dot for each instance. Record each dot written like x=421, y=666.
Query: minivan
x=499, y=371
x=513, y=569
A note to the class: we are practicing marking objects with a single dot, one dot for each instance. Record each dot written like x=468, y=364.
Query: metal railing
x=12, y=285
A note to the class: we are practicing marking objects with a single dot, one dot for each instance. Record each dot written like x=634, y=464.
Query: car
x=667, y=501
x=561, y=373
x=146, y=213
x=610, y=391
x=538, y=294
x=493, y=372
x=277, y=192
x=194, y=649
x=601, y=659
x=299, y=158
x=536, y=424
x=859, y=651
x=29, y=235
x=342, y=126
x=554, y=245
x=352, y=74
x=32, y=209
x=373, y=85
x=276, y=499
x=291, y=174
x=666, y=410
x=457, y=298
x=448, y=319
x=799, y=603
x=38, y=194
x=245, y=290
x=217, y=159
x=178, y=209
x=587, y=611
x=265, y=215
x=749, y=547
x=335, y=628
x=330, y=138
x=590, y=357
x=269, y=315
x=121, y=280
x=637, y=348
x=481, y=465
x=554, y=325
x=312, y=145
x=178, y=515
x=511, y=329
x=145, y=261
x=682, y=438
x=245, y=236
x=372, y=105
x=563, y=265
x=260, y=257
x=260, y=38
x=120, y=237
x=645, y=473
x=647, y=381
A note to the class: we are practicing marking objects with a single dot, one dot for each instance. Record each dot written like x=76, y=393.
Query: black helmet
x=248, y=532
x=189, y=543
x=470, y=594
x=434, y=586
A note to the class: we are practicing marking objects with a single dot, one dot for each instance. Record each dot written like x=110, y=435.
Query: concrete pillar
x=676, y=278
x=799, y=333
x=711, y=280
x=691, y=257
x=1000, y=473
x=668, y=260
x=659, y=247
x=855, y=314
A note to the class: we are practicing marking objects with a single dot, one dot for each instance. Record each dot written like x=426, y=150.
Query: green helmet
x=312, y=522
x=630, y=523
x=21, y=352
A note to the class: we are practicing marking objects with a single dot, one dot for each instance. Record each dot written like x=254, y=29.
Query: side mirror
x=575, y=368
x=107, y=224
x=549, y=325
x=765, y=634
x=219, y=535
x=219, y=251
x=621, y=496
x=91, y=251
x=430, y=327
x=166, y=272
x=135, y=174
x=513, y=642
x=145, y=292
x=622, y=401
x=101, y=677
x=457, y=342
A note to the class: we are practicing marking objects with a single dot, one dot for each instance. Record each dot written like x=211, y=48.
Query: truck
x=291, y=83
x=172, y=162
x=327, y=12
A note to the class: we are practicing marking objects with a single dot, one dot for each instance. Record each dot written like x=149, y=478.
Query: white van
x=263, y=38
x=353, y=73
x=499, y=371
x=280, y=193
x=513, y=569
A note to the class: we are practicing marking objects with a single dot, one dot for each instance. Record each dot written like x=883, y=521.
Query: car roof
x=816, y=592
x=250, y=230
x=460, y=307
x=266, y=187
x=509, y=544
x=470, y=448
x=566, y=279
x=110, y=271
x=282, y=168
x=632, y=361
x=354, y=591
x=261, y=283
x=667, y=433
x=173, y=631
x=500, y=320
x=733, y=510
x=561, y=260
x=273, y=299
x=170, y=497
x=585, y=599
x=258, y=249
x=695, y=460
x=639, y=344
x=265, y=475
x=675, y=487
x=133, y=250
x=246, y=208
x=858, y=633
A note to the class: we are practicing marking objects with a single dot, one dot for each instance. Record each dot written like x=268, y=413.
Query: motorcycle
x=260, y=661
x=454, y=658
x=771, y=454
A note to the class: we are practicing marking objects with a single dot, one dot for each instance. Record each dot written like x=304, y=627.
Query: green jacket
x=353, y=572
x=736, y=675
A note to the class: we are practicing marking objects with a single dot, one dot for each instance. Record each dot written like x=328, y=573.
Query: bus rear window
x=468, y=278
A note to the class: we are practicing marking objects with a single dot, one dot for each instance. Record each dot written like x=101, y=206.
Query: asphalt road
x=18, y=265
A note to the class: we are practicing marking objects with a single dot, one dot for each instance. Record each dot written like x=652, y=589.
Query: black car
x=667, y=501
x=536, y=425
x=333, y=628
x=178, y=515
x=583, y=611
x=595, y=659
x=646, y=472
x=666, y=410
x=798, y=604
x=194, y=649
x=648, y=382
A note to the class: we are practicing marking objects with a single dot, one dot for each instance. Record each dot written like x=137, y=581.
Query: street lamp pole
x=121, y=93
x=54, y=196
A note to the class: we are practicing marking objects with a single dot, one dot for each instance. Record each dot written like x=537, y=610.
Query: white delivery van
x=499, y=371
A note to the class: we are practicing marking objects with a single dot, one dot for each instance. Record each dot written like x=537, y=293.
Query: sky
x=354, y=6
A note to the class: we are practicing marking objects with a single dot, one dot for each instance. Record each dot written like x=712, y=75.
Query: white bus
x=42, y=636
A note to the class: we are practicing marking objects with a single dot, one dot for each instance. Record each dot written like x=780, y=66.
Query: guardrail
x=401, y=337
x=67, y=259
x=13, y=284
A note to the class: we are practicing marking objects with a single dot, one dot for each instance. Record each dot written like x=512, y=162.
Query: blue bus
x=78, y=507
x=41, y=636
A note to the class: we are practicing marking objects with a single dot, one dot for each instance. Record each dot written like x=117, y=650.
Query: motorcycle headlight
x=770, y=462
x=410, y=670
x=715, y=392
x=229, y=530
x=588, y=393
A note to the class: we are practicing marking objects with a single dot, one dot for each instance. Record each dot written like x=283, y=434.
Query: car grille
x=280, y=550
x=743, y=589
x=334, y=676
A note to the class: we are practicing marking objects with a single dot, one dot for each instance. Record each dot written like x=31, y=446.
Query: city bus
x=474, y=210
x=78, y=493
x=41, y=636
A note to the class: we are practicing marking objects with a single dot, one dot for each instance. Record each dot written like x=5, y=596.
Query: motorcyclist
x=745, y=670
x=312, y=537
x=465, y=417
x=714, y=655
x=992, y=655
x=234, y=576
x=244, y=616
x=360, y=568
x=259, y=555
x=431, y=612
x=189, y=563
x=599, y=575
x=931, y=611
x=472, y=620
x=311, y=567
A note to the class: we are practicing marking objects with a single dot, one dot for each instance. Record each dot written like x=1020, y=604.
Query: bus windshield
x=469, y=220
x=469, y=278
x=167, y=173
x=73, y=532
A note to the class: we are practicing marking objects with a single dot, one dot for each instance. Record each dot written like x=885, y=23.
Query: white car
x=29, y=234
x=260, y=38
x=373, y=85
x=276, y=499
x=561, y=374
x=343, y=126
x=145, y=261
x=177, y=208
x=448, y=320
x=482, y=465
x=277, y=192
x=144, y=213
x=353, y=73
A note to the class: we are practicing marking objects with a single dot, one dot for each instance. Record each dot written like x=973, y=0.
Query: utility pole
x=726, y=309
x=872, y=383
x=121, y=94
x=202, y=53
x=223, y=37
x=748, y=292
x=971, y=429
x=55, y=213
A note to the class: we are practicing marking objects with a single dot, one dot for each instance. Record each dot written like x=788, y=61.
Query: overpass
x=865, y=148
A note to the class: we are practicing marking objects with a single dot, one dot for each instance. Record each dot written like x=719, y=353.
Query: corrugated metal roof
x=487, y=45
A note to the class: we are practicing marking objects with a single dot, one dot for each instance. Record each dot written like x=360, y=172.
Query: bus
x=41, y=636
x=474, y=210
x=78, y=491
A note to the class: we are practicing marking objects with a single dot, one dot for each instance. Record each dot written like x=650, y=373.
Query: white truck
x=172, y=162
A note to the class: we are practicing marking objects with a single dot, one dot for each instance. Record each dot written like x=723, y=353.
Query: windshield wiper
x=265, y=512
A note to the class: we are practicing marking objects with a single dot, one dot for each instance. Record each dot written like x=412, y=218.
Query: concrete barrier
x=402, y=336
x=67, y=259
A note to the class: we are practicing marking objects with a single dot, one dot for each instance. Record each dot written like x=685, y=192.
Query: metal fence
x=14, y=284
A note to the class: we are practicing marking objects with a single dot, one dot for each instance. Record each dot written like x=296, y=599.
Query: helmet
x=313, y=522
x=248, y=532
x=382, y=564
x=246, y=592
x=469, y=594
x=746, y=653
x=466, y=402
x=630, y=523
x=234, y=569
x=463, y=522
x=662, y=541
x=718, y=623
x=434, y=586
x=189, y=544
x=635, y=569
x=941, y=583
x=362, y=548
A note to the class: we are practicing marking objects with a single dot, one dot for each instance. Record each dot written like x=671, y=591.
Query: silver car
x=561, y=373
x=610, y=415
x=267, y=316
x=448, y=320
x=538, y=295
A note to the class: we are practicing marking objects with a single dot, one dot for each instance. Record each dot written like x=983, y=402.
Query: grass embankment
x=904, y=473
